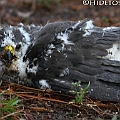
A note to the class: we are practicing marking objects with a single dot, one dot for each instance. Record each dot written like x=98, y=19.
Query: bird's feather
x=79, y=52
x=61, y=53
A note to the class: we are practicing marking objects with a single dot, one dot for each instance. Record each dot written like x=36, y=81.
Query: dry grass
x=46, y=104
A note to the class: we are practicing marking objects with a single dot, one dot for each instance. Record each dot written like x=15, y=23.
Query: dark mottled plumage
x=67, y=52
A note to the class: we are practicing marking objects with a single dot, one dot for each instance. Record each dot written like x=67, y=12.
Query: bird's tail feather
x=104, y=86
x=107, y=84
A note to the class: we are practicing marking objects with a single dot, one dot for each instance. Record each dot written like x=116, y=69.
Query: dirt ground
x=27, y=11
x=46, y=105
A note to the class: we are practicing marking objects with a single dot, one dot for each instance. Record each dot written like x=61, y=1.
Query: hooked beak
x=8, y=55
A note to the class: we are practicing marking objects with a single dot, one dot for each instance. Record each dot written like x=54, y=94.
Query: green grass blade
x=12, y=102
x=80, y=95
x=114, y=118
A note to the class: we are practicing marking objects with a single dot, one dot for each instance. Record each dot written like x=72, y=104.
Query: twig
x=2, y=118
x=91, y=106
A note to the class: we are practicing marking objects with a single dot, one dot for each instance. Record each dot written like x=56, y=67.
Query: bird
x=14, y=41
x=58, y=54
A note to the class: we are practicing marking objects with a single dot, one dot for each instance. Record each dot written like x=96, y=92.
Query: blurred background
x=42, y=11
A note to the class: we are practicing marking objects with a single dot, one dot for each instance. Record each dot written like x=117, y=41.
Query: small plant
x=79, y=95
x=114, y=118
x=7, y=106
x=10, y=105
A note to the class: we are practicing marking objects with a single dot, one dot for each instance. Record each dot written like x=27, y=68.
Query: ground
x=46, y=105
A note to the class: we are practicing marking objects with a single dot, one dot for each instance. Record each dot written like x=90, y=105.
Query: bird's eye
x=18, y=46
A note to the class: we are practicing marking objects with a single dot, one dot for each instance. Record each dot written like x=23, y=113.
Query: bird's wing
x=68, y=52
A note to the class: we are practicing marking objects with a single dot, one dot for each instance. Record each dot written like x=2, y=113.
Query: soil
x=47, y=105
x=35, y=12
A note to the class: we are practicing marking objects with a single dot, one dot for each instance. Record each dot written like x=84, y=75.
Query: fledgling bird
x=14, y=42
x=61, y=53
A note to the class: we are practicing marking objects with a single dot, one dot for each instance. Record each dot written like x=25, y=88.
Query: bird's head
x=8, y=55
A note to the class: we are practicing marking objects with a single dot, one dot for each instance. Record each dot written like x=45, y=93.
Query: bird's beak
x=8, y=56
